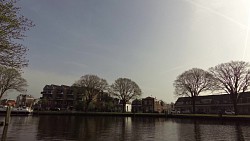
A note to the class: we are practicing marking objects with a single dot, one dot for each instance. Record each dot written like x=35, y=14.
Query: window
x=248, y=100
x=240, y=100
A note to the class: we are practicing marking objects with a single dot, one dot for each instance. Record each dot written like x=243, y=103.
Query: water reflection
x=197, y=132
x=72, y=127
x=239, y=133
x=96, y=128
x=93, y=128
x=4, y=134
x=206, y=130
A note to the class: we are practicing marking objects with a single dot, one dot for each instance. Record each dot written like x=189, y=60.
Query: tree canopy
x=233, y=78
x=11, y=79
x=125, y=89
x=192, y=82
x=92, y=86
x=12, y=28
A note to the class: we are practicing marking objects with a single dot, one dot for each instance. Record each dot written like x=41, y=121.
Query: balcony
x=46, y=92
x=70, y=99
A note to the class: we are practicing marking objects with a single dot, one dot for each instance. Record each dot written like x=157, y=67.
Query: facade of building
x=64, y=97
x=137, y=106
x=54, y=96
x=148, y=105
x=8, y=102
x=213, y=104
x=119, y=106
x=24, y=100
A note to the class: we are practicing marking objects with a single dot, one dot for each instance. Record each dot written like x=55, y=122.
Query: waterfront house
x=137, y=106
x=152, y=105
x=148, y=104
x=24, y=100
x=54, y=96
x=66, y=97
x=119, y=106
x=213, y=104
x=8, y=102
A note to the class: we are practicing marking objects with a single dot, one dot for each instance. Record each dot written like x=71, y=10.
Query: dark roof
x=136, y=101
x=148, y=98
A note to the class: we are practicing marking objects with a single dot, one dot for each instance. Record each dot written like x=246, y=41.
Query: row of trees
x=123, y=88
x=232, y=78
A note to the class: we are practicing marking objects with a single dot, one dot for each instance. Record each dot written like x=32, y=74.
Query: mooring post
x=4, y=134
x=7, y=117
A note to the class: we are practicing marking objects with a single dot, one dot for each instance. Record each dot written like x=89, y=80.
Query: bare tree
x=11, y=79
x=191, y=83
x=125, y=89
x=92, y=86
x=12, y=28
x=233, y=78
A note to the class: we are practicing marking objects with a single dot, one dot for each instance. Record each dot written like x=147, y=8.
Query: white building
x=128, y=107
x=24, y=100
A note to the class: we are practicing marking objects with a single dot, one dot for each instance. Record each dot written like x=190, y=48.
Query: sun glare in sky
x=150, y=42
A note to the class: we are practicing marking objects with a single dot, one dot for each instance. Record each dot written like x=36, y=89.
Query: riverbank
x=77, y=113
x=210, y=116
x=162, y=115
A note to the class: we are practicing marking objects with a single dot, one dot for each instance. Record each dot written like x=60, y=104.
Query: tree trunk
x=124, y=107
x=235, y=107
x=1, y=95
x=87, y=106
x=235, y=101
x=193, y=104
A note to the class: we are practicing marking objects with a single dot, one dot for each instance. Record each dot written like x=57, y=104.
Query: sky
x=150, y=42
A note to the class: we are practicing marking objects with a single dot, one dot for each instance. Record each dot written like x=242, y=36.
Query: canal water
x=97, y=128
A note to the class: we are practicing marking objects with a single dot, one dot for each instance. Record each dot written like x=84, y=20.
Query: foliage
x=233, y=78
x=104, y=102
x=192, y=82
x=12, y=28
x=11, y=79
x=125, y=89
x=93, y=85
x=79, y=106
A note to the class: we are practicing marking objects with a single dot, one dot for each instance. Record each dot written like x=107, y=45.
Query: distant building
x=54, y=96
x=24, y=100
x=128, y=107
x=213, y=104
x=148, y=105
x=137, y=106
x=160, y=106
x=119, y=106
x=6, y=102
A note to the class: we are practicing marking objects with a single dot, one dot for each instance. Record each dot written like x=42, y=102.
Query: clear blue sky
x=148, y=41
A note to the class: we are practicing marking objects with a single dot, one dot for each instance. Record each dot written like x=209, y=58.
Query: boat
x=17, y=110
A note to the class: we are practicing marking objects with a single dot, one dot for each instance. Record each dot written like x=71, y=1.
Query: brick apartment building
x=55, y=96
x=213, y=104
x=65, y=97
x=148, y=105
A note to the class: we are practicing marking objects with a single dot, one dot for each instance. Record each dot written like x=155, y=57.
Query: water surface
x=98, y=128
